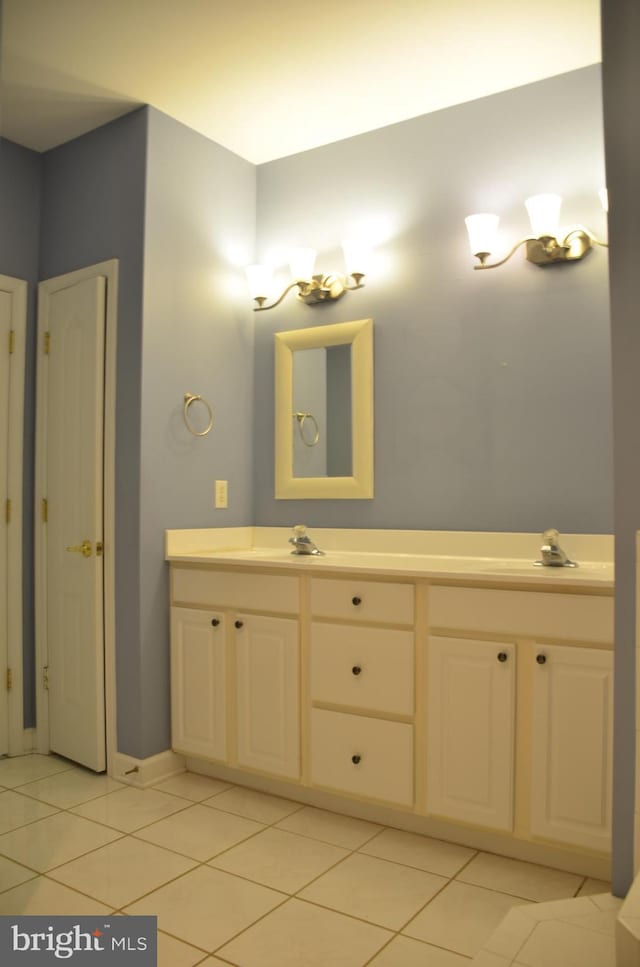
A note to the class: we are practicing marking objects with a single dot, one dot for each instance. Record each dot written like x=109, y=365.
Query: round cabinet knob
x=541, y=659
x=238, y=624
x=215, y=622
x=356, y=601
x=356, y=670
x=502, y=656
x=355, y=759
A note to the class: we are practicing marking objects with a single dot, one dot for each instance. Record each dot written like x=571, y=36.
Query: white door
x=471, y=730
x=13, y=316
x=71, y=424
x=573, y=745
x=198, y=683
x=267, y=670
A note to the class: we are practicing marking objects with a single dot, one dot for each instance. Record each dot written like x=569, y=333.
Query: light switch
x=221, y=493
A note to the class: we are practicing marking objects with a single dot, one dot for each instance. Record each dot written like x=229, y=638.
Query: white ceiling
x=268, y=78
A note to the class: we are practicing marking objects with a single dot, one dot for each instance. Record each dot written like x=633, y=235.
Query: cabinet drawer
x=363, y=600
x=228, y=589
x=580, y=617
x=368, y=668
x=383, y=752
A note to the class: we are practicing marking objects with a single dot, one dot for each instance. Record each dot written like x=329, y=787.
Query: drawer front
x=581, y=617
x=230, y=589
x=362, y=600
x=367, y=668
x=383, y=754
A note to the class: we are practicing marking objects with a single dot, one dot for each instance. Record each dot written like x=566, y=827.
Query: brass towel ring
x=301, y=418
x=190, y=398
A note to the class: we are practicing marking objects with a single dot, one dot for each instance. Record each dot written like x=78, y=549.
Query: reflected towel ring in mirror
x=301, y=418
x=190, y=398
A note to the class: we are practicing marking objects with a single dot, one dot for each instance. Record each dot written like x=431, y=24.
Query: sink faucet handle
x=300, y=530
x=551, y=536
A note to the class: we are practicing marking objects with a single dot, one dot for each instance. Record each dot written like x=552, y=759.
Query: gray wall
x=492, y=389
x=621, y=81
x=92, y=210
x=197, y=337
x=20, y=197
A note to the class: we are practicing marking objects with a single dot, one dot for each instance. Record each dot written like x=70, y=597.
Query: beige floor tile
x=559, y=909
x=602, y=921
x=207, y=907
x=281, y=860
x=330, y=827
x=486, y=959
x=200, y=832
x=190, y=785
x=554, y=944
x=25, y=768
x=375, y=890
x=123, y=871
x=55, y=840
x=253, y=805
x=591, y=886
x=71, y=788
x=129, y=809
x=11, y=874
x=526, y=880
x=404, y=952
x=605, y=901
x=176, y=953
x=42, y=897
x=511, y=934
x=299, y=934
x=422, y=852
x=461, y=918
x=17, y=810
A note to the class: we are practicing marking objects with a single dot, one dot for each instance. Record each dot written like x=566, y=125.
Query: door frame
x=18, y=740
x=109, y=270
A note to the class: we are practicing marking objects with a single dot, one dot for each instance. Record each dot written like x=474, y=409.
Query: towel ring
x=301, y=418
x=190, y=398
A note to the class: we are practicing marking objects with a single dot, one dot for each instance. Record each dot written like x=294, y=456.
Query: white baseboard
x=146, y=772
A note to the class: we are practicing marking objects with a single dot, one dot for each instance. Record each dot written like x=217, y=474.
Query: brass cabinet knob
x=355, y=759
x=356, y=601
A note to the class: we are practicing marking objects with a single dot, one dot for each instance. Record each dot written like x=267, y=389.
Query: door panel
x=5, y=327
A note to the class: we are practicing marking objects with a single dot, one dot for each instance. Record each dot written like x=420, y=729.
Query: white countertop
x=207, y=547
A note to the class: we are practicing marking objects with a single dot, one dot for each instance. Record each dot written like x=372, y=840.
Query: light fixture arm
x=483, y=256
x=260, y=299
x=320, y=288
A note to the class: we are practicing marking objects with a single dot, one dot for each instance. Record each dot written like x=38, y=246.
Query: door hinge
x=45, y=510
x=7, y=510
x=9, y=679
x=47, y=343
x=12, y=341
x=45, y=678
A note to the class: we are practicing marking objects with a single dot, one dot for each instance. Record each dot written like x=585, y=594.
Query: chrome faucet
x=552, y=553
x=302, y=543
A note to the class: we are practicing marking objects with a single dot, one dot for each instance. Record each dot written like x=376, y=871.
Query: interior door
x=72, y=422
x=5, y=329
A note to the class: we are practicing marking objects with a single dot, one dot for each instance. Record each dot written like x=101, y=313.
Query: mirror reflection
x=321, y=421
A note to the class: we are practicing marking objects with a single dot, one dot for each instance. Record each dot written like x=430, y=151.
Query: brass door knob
x=84, y=548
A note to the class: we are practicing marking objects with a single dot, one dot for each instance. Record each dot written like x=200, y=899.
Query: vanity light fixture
x=543, y=246
x=312, y=288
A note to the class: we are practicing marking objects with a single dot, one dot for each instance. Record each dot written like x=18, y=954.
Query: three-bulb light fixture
x=543, y=246
x=312, y=288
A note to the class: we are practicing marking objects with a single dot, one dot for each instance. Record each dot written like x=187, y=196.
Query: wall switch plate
x=221, y=493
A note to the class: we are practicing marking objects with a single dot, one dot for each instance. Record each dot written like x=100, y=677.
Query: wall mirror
x=324, y=412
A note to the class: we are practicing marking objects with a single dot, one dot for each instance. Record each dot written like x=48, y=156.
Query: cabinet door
x=267, y=676
x=572, y=745
x=470, y=738
x=198, y=683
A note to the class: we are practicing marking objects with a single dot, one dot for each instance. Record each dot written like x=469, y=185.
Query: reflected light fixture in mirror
x=312, y=288
x=543, y=246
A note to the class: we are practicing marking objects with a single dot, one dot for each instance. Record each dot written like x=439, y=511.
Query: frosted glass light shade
x=259, y=280
x=482, y=231
x=604, y=199
x=357, y=256
x=301, y=264
x=544, y=214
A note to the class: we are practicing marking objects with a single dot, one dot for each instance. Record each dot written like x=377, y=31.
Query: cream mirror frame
x=359, y=335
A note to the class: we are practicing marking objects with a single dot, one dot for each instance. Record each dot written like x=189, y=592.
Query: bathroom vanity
x=459, y=694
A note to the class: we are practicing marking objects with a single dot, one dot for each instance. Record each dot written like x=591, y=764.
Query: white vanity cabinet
x=572, y=745
x=471, y=730
x=362, y=686
x=198, y=683
x=267, y=694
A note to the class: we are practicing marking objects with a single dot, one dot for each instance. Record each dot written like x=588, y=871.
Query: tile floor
x=238, y=877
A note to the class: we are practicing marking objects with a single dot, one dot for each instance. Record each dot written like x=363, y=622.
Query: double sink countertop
x=480, y=557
